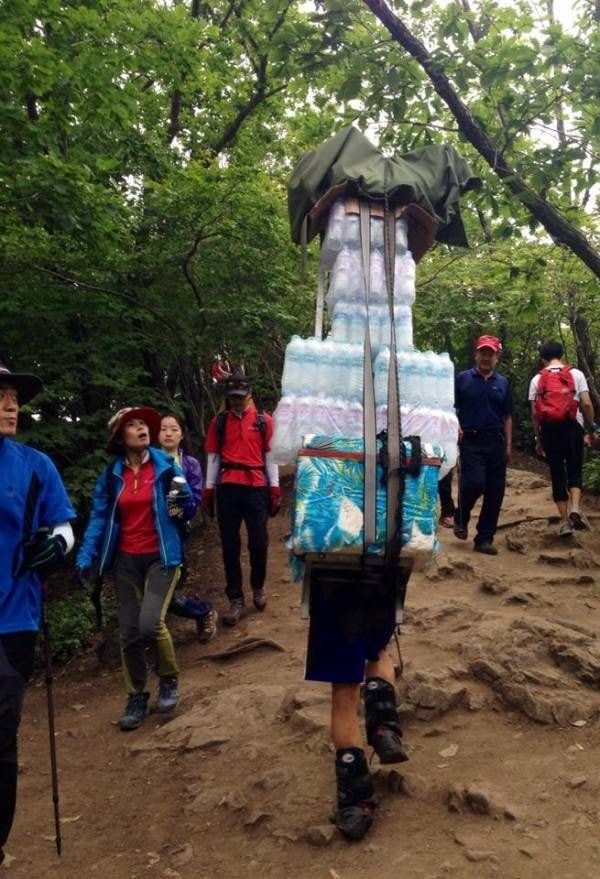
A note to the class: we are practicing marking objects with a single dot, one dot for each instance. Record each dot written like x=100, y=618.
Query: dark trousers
x=482, y=472
x=445, y=495
x=16, y=666
x=563, y=446
x=237, y=504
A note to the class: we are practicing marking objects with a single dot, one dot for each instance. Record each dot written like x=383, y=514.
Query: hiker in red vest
x=246, y=481
x=560, y=406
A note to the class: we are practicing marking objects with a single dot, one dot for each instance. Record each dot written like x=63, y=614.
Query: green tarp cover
x=433, y=177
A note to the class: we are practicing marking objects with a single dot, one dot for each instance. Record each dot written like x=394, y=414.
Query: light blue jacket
x=101, y=536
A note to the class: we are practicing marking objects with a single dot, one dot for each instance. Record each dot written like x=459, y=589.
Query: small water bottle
x=308, y=366
x=376, y=225
x=355, y=379
x=291, y=367
x=352, y=231
x=356, y=324
x=174, y=495
x=405, y=279
x=401, y=236
x=332, y=243
x=378, y=289
x=340, y=322
x=382, y=364
x=446, y=379
x=404, y=329
x=284, y=431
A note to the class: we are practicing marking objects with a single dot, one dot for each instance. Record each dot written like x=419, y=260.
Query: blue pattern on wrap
x=327, y=515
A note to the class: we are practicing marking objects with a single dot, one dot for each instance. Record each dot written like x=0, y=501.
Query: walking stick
x=50, y=699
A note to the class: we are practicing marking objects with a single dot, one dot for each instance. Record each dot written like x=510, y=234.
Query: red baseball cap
x=488, y=342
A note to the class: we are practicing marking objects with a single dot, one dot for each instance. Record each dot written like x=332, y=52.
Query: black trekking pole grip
x=51, y=729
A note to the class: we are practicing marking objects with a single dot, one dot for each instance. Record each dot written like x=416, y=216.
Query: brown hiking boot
x=206, y=627
x=236, y=611
x=259, y=597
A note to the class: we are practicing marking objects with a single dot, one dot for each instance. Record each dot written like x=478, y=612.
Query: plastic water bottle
x=381, y=417
x=332, y=243
x=354, y=420
x=309, y=366
x=446, y=381
x=378, y=290
x=341, y=321
x=340, y=362
x=304, y=418
x=384, y=326
x=356, y=377
x=401, y=235
x=404, y=329
x=376, y=234
x=356, y=324
x=284, y=431
x=413, y=378
x=404, y=279
x=352, y=231
x=430, y=379
x=338, y=416
x=382, y=365
x=323, y=378
x=290, y=379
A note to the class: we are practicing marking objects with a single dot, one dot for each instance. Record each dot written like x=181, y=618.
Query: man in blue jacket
x=35, y=535
x=484, y=409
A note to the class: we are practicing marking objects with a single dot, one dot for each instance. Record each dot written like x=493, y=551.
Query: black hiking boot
x=135, y=711
x=486, y=547
x=383, y=724
x=355, y=796
x=460, y=531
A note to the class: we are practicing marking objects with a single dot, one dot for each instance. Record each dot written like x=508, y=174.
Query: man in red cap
x=239, y=466
x=484, y=408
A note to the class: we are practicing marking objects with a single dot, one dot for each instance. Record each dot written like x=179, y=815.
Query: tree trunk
x=561, y=231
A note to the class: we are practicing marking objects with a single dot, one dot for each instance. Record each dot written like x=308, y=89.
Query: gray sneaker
x=135, y=711
x=236, y=610
x=259, y=597
x=565, y=529
x=167, y=694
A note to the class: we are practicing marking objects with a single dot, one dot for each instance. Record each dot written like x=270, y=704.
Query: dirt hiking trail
x=500, y=697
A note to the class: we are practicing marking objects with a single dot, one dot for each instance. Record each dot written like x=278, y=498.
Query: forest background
x=145, y=148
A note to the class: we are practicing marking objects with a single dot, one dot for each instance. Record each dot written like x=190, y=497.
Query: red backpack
x=555, y=398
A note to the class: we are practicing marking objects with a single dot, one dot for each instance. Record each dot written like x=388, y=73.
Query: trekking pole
x=51, y=733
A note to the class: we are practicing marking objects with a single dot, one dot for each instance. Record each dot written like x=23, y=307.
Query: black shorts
x=350, y=624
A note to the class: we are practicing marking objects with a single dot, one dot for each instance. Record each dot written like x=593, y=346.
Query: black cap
x=27, y=385
x=237, y=385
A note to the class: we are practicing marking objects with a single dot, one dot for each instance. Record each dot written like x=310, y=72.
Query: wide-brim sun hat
x=27, y=385
x=120, y=418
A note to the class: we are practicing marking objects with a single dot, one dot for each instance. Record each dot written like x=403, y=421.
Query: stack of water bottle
x=322, y=382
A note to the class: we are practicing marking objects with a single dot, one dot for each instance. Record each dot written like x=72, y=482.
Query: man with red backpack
x=560, y=406
x=246, y=481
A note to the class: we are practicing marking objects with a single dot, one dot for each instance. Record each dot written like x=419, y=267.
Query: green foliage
x=71, y=625
x=144, y=153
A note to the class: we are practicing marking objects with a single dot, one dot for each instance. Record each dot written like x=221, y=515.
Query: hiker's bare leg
x=575, y=497
x=345, y=730
x=562, y=509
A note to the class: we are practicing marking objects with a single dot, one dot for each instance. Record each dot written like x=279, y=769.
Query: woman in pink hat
x=133, y=530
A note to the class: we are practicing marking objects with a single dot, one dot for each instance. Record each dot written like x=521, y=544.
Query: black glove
x=88, y=579
x=44, y=552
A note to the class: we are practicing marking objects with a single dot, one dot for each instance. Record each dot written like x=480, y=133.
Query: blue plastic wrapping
x=327, y=514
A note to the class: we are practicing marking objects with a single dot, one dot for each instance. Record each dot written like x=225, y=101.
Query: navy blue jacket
x=101, y=536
